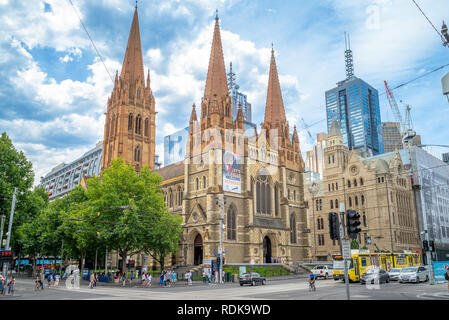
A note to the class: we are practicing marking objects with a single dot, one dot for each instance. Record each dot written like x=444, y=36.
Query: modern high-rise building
x=175, y=146
x=391, y=136
x=239, y=99
x=355, y=105
x=314, y=158
x=65, y=177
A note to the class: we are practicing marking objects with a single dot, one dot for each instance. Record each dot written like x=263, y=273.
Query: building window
x=258, y=196
x=321, y=239
x=356, y=200
x=349, y=184
x=138, y=93
x=138, y=124
x=364, y=220
x=336, y=185
x=146, y=127
x=350, y=201
x=321, y=204
x=197, y=184
x=204, y=182
x=363, y=200
x=276, y=200
x=292, y=229
x=130, y=122
x=171, y=199
x=336, y=203
x=361, y=181
x=333, y=159
x=137, y=154
x=332, y=187
x=231, y=224
x=332, y=204
x=355, y=183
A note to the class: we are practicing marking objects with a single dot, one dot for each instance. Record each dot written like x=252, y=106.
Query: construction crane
x=406, y=126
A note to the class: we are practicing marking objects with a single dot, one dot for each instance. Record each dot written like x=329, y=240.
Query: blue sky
x=54, y=89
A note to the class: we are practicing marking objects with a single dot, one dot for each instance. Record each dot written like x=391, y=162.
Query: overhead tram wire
x=91, y=40
x=441, y=36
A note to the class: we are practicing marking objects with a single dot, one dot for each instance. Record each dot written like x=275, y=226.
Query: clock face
x=354, y=170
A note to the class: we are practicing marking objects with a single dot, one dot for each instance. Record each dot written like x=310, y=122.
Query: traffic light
x=432, y=245
x=425, y=245
x=6, y=255
x=334, y=226
x=352, y=223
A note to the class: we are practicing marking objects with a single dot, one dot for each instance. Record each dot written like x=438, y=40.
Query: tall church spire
x=216, y=83
x=274, y=108
x=132, y=68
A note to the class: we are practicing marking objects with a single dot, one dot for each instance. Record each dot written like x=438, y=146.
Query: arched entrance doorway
x=267, y=250
x=198, y=250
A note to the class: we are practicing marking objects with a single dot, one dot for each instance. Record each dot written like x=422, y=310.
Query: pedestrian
x=446, y=276
x=143, y=282
x=57, y=276
x=2, y=284
x=149, y=278
x=131, y=277
x=39, y=284
x=124, y=279
x=208, y=278
x=11, y=284
x=216, y=276
x=95, y=279
x=173, y=277
x=190, y=277
x=48, y=279
x=167, y=278
x=161, y=279
x=204, y=277
x=91, y=281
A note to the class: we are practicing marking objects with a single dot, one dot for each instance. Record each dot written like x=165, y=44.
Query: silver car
x=414, y=274
x=394, y=274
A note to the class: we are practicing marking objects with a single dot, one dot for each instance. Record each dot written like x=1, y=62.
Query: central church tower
x=130, y=130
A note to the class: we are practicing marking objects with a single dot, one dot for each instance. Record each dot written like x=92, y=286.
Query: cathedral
x=257, y=174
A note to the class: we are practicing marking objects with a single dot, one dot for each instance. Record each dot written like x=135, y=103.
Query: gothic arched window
x=138, y=124
x=276, y=200
x=130, y=122
x=292, y=229
x=231, y=224
x=138, y=93
x=258, y=197
x=268, y=195
x=171, y=199
x=137, y=154
x=204, y=182
x=146, y=127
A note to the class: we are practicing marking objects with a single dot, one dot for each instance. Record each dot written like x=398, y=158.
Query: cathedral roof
x=172, y=171
x=216, y=83
x=133, y=62
x=274, y=108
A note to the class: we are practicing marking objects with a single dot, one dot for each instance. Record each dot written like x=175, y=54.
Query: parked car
x=322, y=271
x=394, y=274
x=375, y=276
x=252, y=279
x=414, y=274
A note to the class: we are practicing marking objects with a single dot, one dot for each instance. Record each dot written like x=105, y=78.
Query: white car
x=322, y=271
x=414, y=274
x=394, y=274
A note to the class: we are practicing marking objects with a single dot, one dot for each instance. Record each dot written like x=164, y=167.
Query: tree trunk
x=123, y=255
x=34, y=265
x=83, y=258
x=161, y=261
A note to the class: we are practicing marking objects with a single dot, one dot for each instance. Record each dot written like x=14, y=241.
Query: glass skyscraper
x=175, y=146
x=355, y=105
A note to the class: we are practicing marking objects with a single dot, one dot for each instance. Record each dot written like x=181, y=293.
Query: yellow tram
x=363, y=259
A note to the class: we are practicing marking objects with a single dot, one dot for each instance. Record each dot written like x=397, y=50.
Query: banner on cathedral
x=232, y=174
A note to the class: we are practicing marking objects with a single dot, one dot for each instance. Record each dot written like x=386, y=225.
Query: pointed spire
x=274, y=108
x=148, y=78
x=335, y=129
x=193, y=114
x=216, y=83
x=133, y=62
x=295, y=135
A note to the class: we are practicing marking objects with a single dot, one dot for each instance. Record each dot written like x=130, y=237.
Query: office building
x=391, y=136
x=175, y=146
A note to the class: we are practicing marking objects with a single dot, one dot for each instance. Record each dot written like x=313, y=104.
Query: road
x=291, y=289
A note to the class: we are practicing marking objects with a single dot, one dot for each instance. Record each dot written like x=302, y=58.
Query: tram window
x=363, y=262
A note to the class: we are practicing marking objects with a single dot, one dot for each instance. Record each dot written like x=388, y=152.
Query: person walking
x=167, y=278
x=173, y=277
x=149, y=278
x=91, y=281
x=161, y=279
x=57, y=277
x=190, y=278
x=131, y=277
x=39, y=283
x=446, y=276
x=2, y=284
x=143, y=281
x=11, y=284
x=204, y=277
x=124, y=279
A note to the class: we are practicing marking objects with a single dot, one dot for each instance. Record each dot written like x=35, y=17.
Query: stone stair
x=182, y=270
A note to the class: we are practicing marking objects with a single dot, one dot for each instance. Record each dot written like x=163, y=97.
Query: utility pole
x=8, y=238
x=344, y=239
x=1, y=232
x=220, y=249
x=106, y=262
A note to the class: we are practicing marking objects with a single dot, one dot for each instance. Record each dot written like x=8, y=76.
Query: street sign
x=346, y=248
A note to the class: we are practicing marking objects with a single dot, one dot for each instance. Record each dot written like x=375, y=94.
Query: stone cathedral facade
x=259, y=173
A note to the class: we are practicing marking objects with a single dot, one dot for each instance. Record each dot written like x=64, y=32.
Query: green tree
x=130, y=206
x=354, y=244
x=15, y=172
